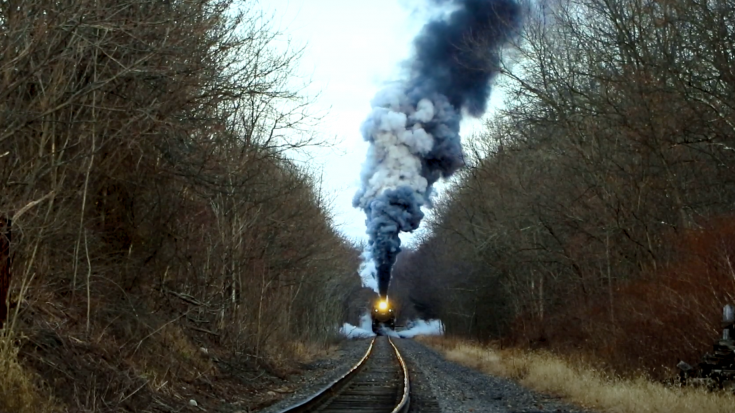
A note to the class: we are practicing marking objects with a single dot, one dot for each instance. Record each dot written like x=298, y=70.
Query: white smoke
x=394, y=159
x=423, y=328
x=424, y=111
x=363, y=331
x=368, y=271
x=415, y=328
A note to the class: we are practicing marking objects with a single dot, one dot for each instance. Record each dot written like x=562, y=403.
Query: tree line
x=145, y=167
x=595, y=209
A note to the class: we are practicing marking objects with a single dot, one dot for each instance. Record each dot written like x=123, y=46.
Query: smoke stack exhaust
x=413, y=129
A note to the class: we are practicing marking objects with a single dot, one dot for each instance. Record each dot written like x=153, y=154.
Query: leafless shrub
x=146, y=168
x=616, y=140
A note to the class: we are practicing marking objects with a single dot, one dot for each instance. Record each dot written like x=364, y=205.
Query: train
x=383, y=316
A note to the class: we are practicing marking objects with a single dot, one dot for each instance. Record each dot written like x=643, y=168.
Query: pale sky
x=353, y=48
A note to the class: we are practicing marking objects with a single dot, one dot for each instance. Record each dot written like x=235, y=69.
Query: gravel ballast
x=437, y=385
x=321, y=373
x=460, y=389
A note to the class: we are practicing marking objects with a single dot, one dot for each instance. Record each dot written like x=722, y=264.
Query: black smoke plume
x=413, y=129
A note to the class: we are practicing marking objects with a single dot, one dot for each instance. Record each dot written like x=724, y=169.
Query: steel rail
x=405, y=402
x=319, y=397
x=317, y=400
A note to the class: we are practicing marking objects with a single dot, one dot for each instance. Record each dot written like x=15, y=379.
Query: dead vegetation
x=164, y=248
x=21, y=389
x=595, y=215
x=581, y=383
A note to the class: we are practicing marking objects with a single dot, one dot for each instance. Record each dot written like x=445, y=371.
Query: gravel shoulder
x=321, y=373
x=460, y=389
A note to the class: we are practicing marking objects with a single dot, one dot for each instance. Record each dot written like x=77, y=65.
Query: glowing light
x=383, y=305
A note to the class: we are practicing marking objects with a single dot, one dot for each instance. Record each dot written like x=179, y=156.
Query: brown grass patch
x=19, y=388
x=289, y=358
x=579, y=382
x=306, y=352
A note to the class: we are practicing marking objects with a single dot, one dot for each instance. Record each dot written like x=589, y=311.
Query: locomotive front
x=383, y=315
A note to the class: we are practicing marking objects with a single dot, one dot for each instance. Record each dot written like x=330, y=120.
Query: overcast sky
x=353, y=47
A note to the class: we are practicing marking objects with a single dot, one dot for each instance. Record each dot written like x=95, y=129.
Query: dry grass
x=581, y=384
x=169, y=355
x=285, y=357
x=19, y=391
x=306, y=352
x=183, y=350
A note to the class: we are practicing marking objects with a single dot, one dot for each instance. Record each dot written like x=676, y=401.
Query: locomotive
x=383, y=315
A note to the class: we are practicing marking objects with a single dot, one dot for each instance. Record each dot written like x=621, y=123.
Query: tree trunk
x=4, y=268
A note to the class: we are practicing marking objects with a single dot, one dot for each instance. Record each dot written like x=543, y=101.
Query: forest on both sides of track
x=595, y=214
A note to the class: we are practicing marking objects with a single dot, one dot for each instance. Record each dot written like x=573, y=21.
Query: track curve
x=379, y=382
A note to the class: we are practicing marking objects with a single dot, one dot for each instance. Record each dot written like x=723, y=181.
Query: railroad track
x=377, y=383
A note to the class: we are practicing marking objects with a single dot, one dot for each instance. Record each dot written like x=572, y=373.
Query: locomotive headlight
x=383, y=305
